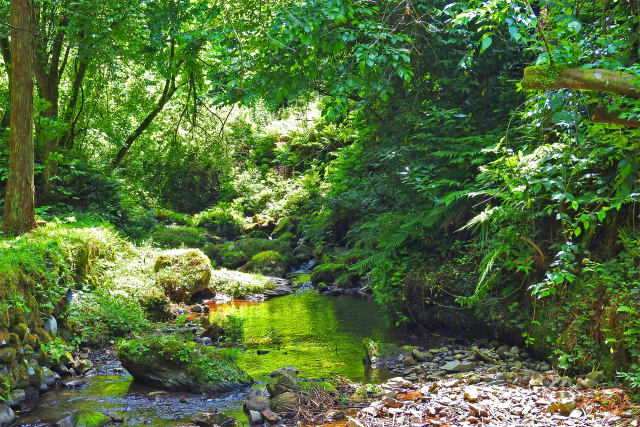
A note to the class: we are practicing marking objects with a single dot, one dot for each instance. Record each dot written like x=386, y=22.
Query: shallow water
x=321, y=336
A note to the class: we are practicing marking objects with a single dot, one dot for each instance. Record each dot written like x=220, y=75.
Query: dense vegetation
x=471, y=163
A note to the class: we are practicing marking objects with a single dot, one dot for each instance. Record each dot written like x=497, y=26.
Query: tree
x=20, y=199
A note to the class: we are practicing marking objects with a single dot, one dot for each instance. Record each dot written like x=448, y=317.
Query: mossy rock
x=171, y=364
x=7, y=355
x=237, y=284
x=20, y=329
x=89, y=418
x=182, y=273
x=156, y=307
x=286, y=381
x=269, y=263
x=177, y=237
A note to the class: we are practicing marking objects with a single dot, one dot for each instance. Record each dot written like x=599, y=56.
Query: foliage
x=179, y=236
x=220, y=220
x=56, y=351
x=100, y=317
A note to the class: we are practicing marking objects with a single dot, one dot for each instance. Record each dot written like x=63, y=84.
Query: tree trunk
x=48, y=85
x=19, y=201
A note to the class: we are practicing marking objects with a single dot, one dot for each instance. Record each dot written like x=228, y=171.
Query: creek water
x=321, y=336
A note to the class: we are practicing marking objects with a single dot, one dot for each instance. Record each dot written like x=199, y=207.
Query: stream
x=321, y=336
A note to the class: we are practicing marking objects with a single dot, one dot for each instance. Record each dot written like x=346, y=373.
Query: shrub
x=177, y=237
x=221, y=220
x=98, y=317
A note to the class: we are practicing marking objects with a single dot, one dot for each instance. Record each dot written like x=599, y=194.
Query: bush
x=96, y=318
x=221, y=220
x=177, y=237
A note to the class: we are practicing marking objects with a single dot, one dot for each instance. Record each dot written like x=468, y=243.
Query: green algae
x=320, y=336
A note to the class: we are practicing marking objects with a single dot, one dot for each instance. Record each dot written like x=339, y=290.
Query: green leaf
x=486, y=42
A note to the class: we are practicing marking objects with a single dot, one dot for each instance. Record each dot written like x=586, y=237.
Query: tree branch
x=546, y=78
x=603, y=115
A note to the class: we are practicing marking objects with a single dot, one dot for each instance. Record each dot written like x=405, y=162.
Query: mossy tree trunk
x=19, y=201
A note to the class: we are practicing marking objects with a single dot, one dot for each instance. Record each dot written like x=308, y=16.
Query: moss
x=269, y=263
x=89, y=418
x=177, y=237
x=20, y=329
x=539, y=77
x=7, y=355
x=238, y=284
x=169, y=362
x=181, y=273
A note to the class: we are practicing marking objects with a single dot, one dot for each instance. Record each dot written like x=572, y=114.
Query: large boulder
x=182, y=273
x=168, y=363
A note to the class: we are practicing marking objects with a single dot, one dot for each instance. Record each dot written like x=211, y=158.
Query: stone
x=335, y=415
x=81, y=366
x=51, y=326
x=564, y=405
x=285, y=402
x=213, y=418
x=49, y=377
x=396, y=382
x=73, y=383
x=158, y=394
x=409, y=361
x=595, y=376
x=391, y=403
x=7, y=355
x=422, y=356
x=471, y=394
x=457, y=366
x=16, y=397
x=586, y=383
x=290, y=369
x=68, y=421
x=153, y=362
x=260, y=391
x=7, y=416
x=284, y=382
x=270, y=416
x=536, y=381
x=182, y=273
x=255, y=418
x=256, y=403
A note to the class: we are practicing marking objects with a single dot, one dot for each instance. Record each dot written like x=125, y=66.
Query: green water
x=321, y=336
